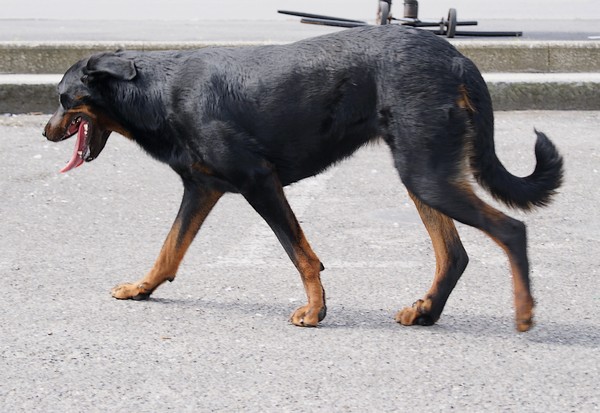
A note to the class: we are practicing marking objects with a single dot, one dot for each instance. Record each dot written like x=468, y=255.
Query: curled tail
x=535, y=190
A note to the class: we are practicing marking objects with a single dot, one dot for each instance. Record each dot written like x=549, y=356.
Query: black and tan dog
x=252, y=120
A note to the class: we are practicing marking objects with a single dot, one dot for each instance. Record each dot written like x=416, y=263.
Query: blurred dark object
x=445, y=26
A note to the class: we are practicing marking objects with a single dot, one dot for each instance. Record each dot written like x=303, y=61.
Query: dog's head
x=84, y=110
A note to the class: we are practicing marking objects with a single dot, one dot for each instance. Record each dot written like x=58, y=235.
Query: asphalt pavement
x=218, y=339
x=253, y=31
x=195, y=20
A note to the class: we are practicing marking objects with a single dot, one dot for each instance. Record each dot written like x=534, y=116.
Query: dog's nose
x=47, y=131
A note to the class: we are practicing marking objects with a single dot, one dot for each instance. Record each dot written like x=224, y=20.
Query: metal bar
x=419, y=23
x=318, y=16
x=335, y=23
x=489, y=34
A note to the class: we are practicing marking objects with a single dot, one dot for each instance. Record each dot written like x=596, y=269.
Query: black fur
x=304, y=106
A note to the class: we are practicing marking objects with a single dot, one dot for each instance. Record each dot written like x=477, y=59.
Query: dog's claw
x=418, y=314
x=141, y=297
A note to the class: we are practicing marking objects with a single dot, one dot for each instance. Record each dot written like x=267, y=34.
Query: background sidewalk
x=559, y=37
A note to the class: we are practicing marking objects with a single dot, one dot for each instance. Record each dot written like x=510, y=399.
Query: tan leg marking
x=309, y=266
x=450, y=258
x=173, y=250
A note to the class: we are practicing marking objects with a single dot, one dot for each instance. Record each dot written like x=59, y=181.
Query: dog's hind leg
x=458, y=201
x=451, y=261
x=196, y=204
x=267, y=197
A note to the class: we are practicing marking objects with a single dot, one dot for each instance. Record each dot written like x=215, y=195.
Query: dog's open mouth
x=81, y=152
x=90, y=141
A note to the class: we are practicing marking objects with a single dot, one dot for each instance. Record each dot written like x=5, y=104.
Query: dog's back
x=311, y=103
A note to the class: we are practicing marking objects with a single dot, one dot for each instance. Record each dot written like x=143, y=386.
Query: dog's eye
x=64, y=100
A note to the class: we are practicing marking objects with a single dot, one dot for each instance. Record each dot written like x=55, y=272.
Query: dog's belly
x=311, y=156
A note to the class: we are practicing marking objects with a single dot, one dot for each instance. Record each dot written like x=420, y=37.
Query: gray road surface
x=256, y=31
x=217, y=339
x=235, y=20
x=265, y=9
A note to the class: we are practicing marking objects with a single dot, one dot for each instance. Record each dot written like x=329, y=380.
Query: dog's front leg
x=267, y=197
x=196, y=204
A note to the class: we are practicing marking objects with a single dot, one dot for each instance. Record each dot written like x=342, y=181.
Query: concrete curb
x=57, y=57
x=490, y=56
x=545, y=74
x=532, y=56
x=544, y=91
x=516, y=91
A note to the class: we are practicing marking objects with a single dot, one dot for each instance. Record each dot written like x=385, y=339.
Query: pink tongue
x=76, y=159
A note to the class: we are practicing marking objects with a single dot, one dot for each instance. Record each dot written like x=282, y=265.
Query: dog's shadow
x=345, y=317
x=543, y=332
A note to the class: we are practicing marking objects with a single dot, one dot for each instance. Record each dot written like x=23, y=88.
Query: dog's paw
x=524, y=314
x=308, y=316
x=130, y=292
x=419, y=314
x=524, y=325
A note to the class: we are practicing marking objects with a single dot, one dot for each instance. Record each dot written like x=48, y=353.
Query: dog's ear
x=109, y=65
